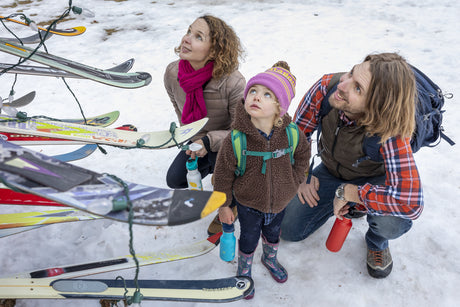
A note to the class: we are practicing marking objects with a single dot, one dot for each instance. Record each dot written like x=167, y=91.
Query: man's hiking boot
x=216, y=226
x=379, y=263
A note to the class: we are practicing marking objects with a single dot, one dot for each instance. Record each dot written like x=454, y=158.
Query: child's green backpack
x=239, y=149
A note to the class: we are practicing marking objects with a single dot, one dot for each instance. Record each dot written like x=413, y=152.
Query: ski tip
x=80, y=29
x=146, y=77
x=72, y=31
x=216, y=200
x=215, y=239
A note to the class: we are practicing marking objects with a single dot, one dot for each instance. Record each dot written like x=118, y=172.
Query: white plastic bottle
x=193, y=175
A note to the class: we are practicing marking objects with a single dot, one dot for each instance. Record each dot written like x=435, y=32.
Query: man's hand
x=308, y=193
x=340, y=208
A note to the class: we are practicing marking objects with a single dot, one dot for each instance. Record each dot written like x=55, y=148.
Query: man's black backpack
x=428, y=116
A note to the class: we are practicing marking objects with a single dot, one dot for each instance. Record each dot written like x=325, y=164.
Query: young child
x=264, y=190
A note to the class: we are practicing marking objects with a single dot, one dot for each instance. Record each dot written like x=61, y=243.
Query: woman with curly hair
x=204, y=82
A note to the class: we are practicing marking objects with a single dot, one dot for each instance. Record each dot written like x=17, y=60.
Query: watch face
x=339, y=193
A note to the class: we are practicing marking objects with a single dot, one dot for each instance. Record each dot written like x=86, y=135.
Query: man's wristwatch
x=340, y=192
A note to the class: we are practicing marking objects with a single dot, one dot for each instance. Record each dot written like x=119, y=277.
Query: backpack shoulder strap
x=371, y=148
x=323, y=111
x=334, y=80
x=292, y=132
x=239, y=145
x=239, y=149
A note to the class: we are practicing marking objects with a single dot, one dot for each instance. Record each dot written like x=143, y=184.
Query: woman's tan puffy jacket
x=221, y=97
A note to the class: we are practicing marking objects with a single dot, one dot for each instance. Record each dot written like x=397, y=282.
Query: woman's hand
x=200, y=153
x=308, y=193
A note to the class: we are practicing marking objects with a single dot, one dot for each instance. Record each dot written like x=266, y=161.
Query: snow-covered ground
x=314, y=37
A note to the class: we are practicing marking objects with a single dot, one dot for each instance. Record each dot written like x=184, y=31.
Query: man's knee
x=389, y=227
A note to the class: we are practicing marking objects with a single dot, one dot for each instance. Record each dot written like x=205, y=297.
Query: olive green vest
x=341, y=148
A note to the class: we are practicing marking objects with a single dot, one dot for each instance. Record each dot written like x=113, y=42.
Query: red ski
x=10, y=197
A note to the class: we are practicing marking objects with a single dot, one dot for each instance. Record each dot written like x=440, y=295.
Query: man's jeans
x=300, y=220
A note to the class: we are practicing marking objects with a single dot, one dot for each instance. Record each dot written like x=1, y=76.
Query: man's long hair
x=391, y=97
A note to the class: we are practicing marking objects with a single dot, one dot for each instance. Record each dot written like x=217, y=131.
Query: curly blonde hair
x=226, y=48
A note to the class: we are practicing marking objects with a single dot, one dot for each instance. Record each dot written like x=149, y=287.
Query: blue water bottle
x=227, y=242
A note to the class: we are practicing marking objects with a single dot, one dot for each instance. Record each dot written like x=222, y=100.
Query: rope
x=42, y=43
x=172, y=129
x=136, y=294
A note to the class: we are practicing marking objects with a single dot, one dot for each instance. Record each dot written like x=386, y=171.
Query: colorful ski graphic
x=100, y=135
x=102, y=120
x=80, y=188
x=25, y=219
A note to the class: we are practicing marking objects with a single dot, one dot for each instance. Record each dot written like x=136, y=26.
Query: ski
x=25, y=219
x=21, y=101
x=85, y=150
x=77, y=154
x=54, y=72
x=101, y=135
x=10, y=197
x=32, y=39
x=65, y=32
x=123, y=80
x=14, y=231
x=191, y=250
x=102, y=120
x=102, y=194
x=209, y=291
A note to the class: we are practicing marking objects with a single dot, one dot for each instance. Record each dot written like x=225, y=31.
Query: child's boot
x=277, y=271
x=244, y=268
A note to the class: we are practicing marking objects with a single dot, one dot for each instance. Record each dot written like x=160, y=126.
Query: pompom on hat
x=280, y=81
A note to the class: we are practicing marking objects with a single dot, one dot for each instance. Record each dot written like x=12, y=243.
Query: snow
x=314, y=37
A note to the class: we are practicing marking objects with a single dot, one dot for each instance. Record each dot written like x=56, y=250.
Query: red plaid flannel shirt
x=402, y=193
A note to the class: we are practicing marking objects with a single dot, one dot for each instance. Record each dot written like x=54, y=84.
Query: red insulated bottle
x=338, y=234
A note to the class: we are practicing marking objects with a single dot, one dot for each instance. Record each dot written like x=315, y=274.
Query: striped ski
x=123, y=80
x=191, y=250
x=209, y=291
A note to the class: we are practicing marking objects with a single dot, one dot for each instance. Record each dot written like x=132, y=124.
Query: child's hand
x=226, y=215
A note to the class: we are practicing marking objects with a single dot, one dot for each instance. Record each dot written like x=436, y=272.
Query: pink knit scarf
x=191, y=81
